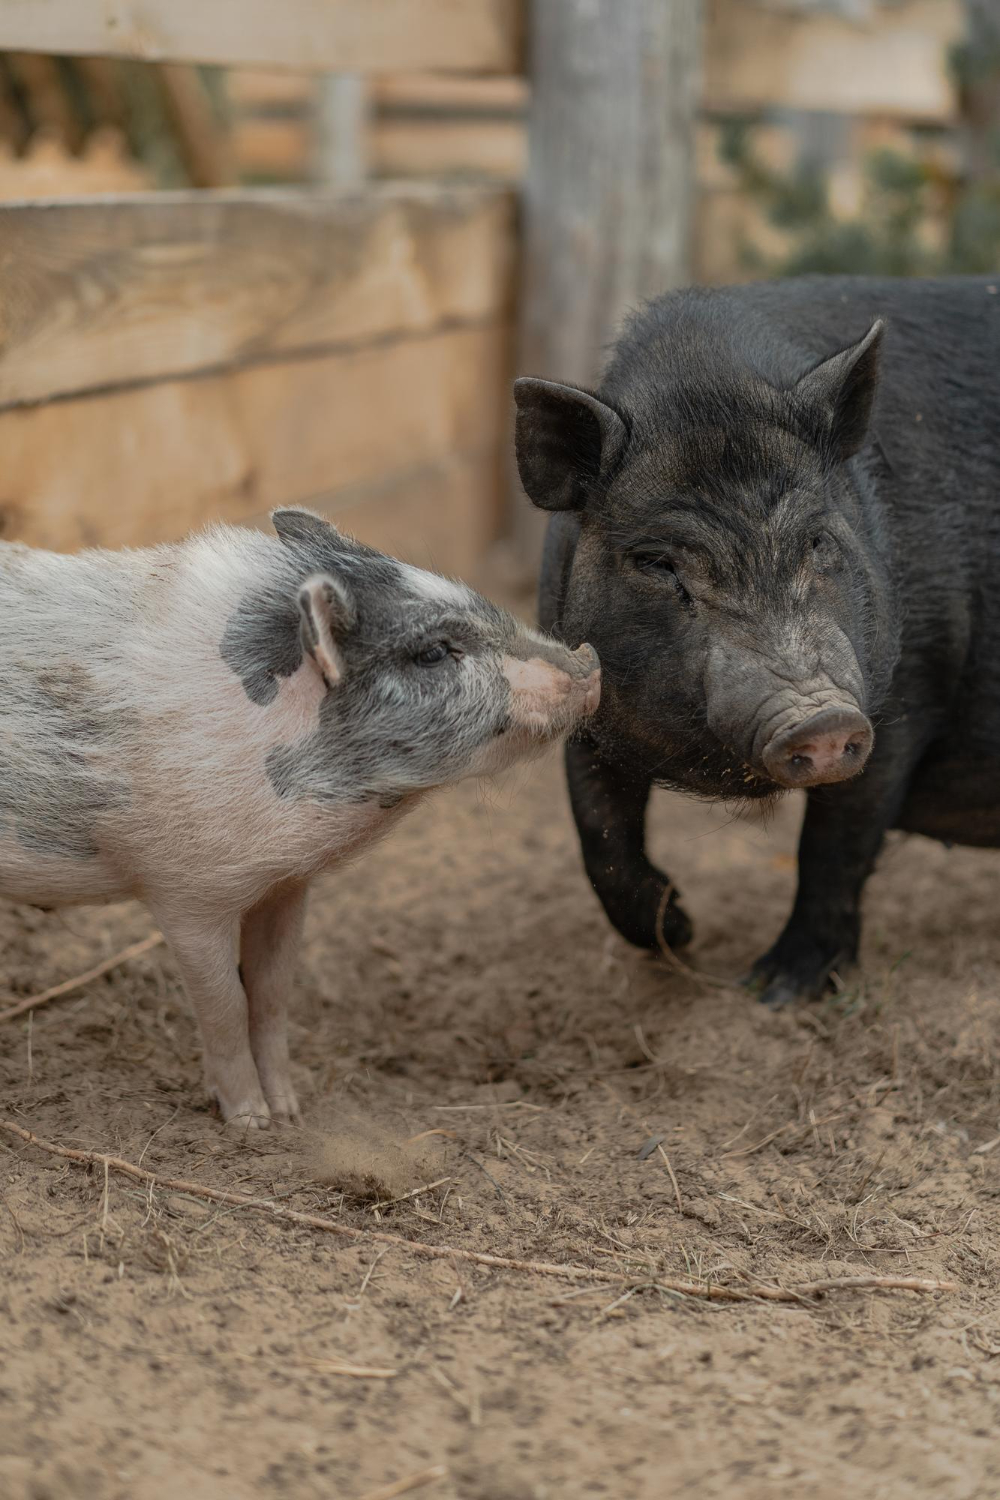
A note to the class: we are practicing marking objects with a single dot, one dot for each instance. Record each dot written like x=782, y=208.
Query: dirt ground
x=462, y=987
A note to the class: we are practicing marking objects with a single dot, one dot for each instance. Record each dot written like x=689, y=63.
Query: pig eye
x=661, y=565
x=432, y=655
x=656, y=562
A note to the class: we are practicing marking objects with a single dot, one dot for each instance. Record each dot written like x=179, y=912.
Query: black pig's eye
x=661, y=565
x=432, y=655
x=656, y=562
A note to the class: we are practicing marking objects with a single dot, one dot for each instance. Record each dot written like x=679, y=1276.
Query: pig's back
x=64, y=733
x=939, y=387
x=934, y=438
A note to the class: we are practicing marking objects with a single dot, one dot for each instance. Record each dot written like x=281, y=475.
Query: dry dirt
x=462, y=986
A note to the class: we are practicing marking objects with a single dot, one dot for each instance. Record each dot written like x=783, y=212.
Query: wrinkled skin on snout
x=718, y=536
x=218, y=721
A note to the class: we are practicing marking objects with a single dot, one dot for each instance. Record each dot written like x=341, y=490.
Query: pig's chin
x=693, y=762
x=526, y=738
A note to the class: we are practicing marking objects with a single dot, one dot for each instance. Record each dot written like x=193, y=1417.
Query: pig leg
x=206, y=954
x=609, y=806
x=268, y=945
x=842, y=833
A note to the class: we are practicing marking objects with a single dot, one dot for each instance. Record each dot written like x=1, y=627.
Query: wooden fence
x=167, y=359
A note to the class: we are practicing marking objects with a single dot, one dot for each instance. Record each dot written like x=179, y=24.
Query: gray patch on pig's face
x=261, y=643
x=390, y=726
x=54, y=754
x=393, y=726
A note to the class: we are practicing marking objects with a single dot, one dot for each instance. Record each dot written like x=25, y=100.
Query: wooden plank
x=890, y=61
x=310, y=35
x=149, y=464
x=609, y=192
x=269, y=146
x=168, y=284
x=440, y=516
x=437, y=93
x=259, y=89
x=424, y=146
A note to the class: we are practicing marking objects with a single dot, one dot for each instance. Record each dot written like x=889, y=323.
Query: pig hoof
x=779, y=984
x=248, y=1114
x=285, y=1112
x=281, y=1101
x=647, y=923
x=779, y=993
x=249, y=1119
x=676, y=927
x=774, y=988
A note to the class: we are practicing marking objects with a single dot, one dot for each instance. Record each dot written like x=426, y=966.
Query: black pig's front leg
x=842, y=833
x=609, y=806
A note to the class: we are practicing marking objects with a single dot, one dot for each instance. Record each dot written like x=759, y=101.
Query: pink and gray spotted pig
x=206, y=726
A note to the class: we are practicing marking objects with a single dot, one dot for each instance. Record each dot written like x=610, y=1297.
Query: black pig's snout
x=831, y=746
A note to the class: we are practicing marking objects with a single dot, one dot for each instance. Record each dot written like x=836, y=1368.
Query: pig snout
x=832, y=745
x=553, y=688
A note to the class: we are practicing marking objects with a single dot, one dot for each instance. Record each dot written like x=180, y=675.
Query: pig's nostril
x=831, y=746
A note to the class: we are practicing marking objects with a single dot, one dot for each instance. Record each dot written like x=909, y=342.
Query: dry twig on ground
x=68, y=985
x=706, y=1290
x=404, y=1486
x=697, y=976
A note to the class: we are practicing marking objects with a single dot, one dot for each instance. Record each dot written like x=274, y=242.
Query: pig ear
x=562, y=438
x=326, y=614
x=841, y=392
x=295, y=525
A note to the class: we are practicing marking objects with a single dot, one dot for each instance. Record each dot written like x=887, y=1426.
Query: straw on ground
x=706, y=1290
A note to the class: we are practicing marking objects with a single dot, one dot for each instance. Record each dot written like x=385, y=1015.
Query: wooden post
x=609, y=193
x=342, y=131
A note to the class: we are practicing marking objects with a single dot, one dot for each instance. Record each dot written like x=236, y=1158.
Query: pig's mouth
x=811, y=747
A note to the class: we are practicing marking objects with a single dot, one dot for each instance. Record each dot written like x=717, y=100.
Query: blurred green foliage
x=918, y=216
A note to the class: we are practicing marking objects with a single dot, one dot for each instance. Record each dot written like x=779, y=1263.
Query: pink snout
x=552, y=692
x=831, y=746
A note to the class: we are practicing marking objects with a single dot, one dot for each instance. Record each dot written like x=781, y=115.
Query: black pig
x=789, y=583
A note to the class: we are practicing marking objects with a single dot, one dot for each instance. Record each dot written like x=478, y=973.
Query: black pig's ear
x=326, y=614
x=562, y=436
x=841, y=391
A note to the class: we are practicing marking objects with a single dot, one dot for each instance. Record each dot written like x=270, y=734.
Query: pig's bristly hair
x=733, y=466
x=177, y=740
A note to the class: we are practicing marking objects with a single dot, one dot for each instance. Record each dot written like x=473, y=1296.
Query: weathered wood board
x=428, y=146
x=104, y=292
x=148, y=464
x=607, y=198
x=440, y=516
x=891, y=61
x=350, y=36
